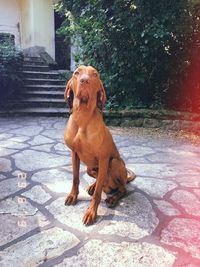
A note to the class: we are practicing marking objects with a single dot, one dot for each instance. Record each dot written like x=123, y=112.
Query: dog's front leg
x=91, y=213
x=71, y=199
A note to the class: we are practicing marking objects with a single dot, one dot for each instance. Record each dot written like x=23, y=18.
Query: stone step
x=41, y=68
x=26, y=104
x=35, y=60
x=42, y=94
x=36, y=81
x=45, y=94
x=35, y=101
x=60, y=112
x=32, y=63
x=42, y=99
x=44, y=87
x=41, y=75
x=40, y=102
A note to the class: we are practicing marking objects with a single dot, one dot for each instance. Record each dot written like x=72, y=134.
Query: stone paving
x=157, y=224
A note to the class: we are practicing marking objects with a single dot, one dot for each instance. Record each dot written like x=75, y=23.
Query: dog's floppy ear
x=68, y=94
x=101, y=97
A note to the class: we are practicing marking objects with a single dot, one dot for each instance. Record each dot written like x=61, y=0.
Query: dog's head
x=85, y=89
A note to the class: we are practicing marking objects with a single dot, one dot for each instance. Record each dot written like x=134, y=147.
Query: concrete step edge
x=39, y=79
x=36, y=111
x=46, y=100
x=41, y=72
x=43, y=92
x=42, y=86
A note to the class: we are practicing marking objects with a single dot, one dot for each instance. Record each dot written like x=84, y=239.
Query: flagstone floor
x=157, y=224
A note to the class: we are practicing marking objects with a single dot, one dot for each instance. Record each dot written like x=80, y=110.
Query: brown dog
x=91, y=142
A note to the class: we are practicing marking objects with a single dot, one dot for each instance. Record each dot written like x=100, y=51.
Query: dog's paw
x=89, y=217
x=71, y=200
x=111, y=202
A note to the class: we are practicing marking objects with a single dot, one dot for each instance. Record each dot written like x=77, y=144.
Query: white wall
x=10, y=18
x=43, y=25
x=37, y=24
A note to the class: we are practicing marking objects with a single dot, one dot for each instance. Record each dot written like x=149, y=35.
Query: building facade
x=32, y=22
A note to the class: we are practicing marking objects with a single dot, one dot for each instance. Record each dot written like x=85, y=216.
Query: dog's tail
x=130, y=176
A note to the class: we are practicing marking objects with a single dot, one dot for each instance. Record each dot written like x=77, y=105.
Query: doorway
x=62, y=46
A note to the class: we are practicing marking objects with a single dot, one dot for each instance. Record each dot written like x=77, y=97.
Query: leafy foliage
x=142, y=48
x=11, y=60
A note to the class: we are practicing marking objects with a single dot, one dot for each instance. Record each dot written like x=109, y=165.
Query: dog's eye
x=95, y=74
x=76, y=73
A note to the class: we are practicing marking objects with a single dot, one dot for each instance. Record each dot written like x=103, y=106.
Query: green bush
x=142, y=48
x=11, y=61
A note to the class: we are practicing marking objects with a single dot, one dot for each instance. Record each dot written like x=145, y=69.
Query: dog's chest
x=83, y=142
x=85, y=147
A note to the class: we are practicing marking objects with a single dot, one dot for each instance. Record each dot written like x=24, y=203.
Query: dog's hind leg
x=93, y=172
x=112, y=200
x=91, y=189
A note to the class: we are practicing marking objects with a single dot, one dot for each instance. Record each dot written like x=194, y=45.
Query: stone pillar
x=37, y=24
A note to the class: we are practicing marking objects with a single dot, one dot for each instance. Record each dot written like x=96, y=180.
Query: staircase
x=42, y=93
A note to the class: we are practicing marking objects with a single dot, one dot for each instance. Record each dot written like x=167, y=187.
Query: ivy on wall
x=11, y=61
